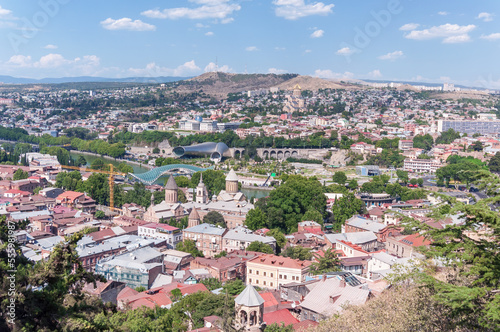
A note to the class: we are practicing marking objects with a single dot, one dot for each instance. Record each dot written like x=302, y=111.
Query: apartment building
x=208, y=238
x=271, y=271
x=421, y=165
x=172, y=235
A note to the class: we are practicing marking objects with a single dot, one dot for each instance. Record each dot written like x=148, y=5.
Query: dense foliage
x=287, y=204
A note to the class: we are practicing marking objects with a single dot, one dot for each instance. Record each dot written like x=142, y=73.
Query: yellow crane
x=111, y=179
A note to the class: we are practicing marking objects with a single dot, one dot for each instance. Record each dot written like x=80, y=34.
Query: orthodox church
x=231, y=203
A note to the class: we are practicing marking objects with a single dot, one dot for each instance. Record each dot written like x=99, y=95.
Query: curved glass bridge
x=151, y=176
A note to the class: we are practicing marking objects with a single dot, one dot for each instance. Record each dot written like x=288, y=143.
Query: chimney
x=324, y=277
x=342, y=283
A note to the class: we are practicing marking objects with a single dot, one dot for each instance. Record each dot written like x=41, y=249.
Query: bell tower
x=249, y=307
x=171, y=194
x=201, y=192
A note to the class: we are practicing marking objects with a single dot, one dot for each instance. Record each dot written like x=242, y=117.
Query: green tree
x=327, y=263
x=447, y=137
x=189, y=246
x=346, y=207
x=402, y=176
x=477, y=146
x=100, y=214
x=214, y=218
x=140, y=289
x=339, y=177
x=211, y=283
x=156, y=150
x=424, y=142
x=275, y=327
x=48, y=295
x=98, y=163
x=256, y=219
x=234, y=287
x=81, y=161
x=19, y=174
x=313, y=215
x=470, y=286
x=260, y=247
x=494, y=164
x=298, y=252
x=279, y=237
x=353, y=184
x=420, y=182
x=413, y=181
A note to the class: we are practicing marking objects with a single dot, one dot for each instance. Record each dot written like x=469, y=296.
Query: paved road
x=427, y=183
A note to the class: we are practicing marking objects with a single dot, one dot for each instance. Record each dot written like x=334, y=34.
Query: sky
x=406, y=40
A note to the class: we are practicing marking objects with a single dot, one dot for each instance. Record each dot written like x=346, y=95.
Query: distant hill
x=315, y=83
x=218, y=84
x=80, y=79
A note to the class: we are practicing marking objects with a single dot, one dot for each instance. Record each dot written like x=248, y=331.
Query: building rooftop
x=273, y=260
x=206, y=229
x=249, y=297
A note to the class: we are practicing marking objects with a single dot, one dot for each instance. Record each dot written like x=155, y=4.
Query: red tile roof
x=304, y=325
x=269, y=299
x=415, y=240
x=273, y=260
x=279, y=317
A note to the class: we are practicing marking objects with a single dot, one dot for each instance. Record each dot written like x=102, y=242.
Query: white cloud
x=409, y=26
x=50, y=47
x=451, y=33
x=327, y=73
x=213, y=67
x=251, y=48
x=6, y=14
x=277, y=48
x=52, y=64
x=217, y=9
x=443, y=13
x=308, y=51
x=345, y=51
x=277, y=71
x=456, y=39
x=486, y=17
x=153, y=70
x=317, y=34
x=227, y=20
x=493, y=36
x=375, y=74
x=126, y=24
x=392, y=56
x=295, y=9
x=199, y=25
x=209, y=33
x=20, y=61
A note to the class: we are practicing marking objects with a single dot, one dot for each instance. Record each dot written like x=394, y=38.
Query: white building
x=172, y=235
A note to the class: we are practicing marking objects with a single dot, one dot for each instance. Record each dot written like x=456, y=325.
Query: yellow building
x=271, y=271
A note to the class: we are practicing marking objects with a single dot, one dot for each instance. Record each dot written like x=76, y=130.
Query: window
x=257, y=281
x=257, y=272
x=284, y=277
x=281, y=277
x=264, y=274
x=250, y=280
x=250, y=271
x=271, y=284
x=264, y=282
x=271, y=275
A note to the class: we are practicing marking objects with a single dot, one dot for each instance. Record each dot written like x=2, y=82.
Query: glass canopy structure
x=151, y=176
x=214, y=150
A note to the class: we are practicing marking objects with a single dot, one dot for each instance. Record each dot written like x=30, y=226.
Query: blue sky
x=428, y=41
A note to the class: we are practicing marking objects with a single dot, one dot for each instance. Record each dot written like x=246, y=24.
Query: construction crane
x=111, y=179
